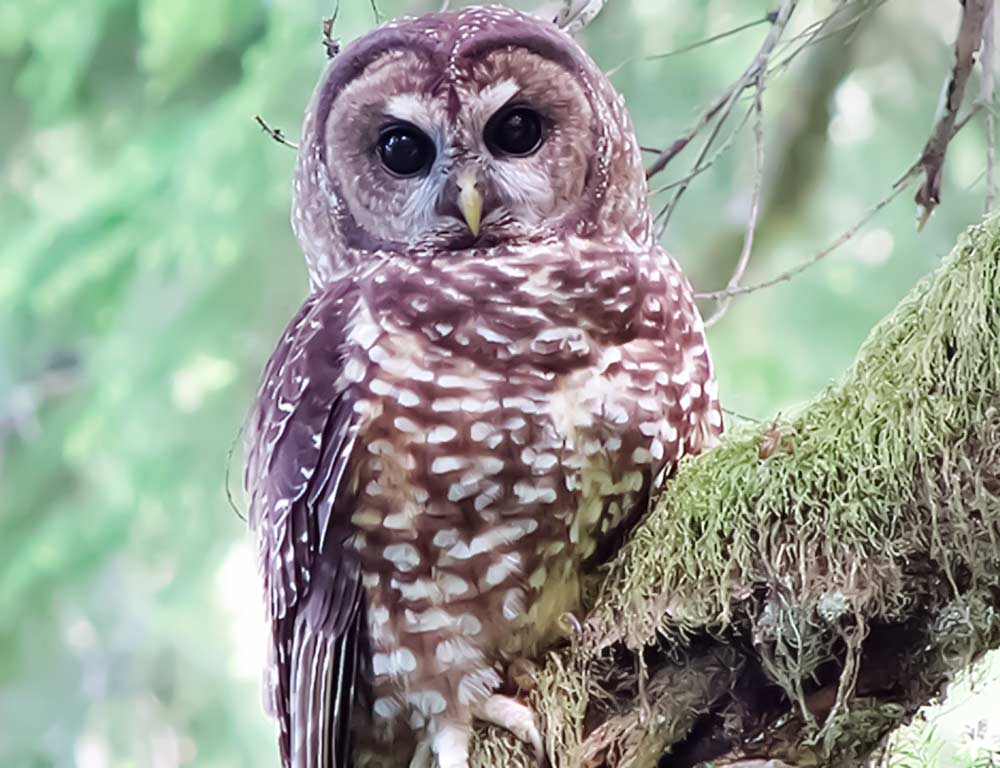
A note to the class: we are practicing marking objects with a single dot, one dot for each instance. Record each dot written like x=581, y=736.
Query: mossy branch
x=796, y=596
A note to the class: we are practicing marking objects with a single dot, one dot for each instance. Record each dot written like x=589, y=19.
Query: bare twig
x=931, y=163
x=769, y=18
x=377, y=12
x=824, y=29
x=274, y=133
x=758, y=183
x=901, y=184
x=724, y=103
x=757, y=69
x=986, y=63
x=574, y=15
x=700, y=169
x=330, y=42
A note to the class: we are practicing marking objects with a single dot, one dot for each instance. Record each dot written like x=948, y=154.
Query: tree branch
x=799, y=604
x=970, y=38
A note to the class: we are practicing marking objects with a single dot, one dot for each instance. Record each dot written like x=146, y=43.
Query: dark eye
x=405, y=150
x=514, y=131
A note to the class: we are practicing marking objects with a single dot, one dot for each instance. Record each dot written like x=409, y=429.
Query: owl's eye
x=515, y=131
x=405, y=150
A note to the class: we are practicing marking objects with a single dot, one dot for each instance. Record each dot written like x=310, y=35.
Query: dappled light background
x=147, y=268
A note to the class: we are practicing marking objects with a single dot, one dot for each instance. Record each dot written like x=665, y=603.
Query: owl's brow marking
x=495, y=95
x=411, y=108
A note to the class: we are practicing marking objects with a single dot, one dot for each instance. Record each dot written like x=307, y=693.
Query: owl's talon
x=512, y=715
x=570, y=625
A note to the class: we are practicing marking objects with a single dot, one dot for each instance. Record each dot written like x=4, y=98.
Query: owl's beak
x=470, y=201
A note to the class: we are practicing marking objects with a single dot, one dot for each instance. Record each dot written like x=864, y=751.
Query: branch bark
x=967, y=44
x=797, y=605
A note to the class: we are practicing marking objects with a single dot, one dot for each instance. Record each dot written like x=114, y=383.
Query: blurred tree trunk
x=801, y=590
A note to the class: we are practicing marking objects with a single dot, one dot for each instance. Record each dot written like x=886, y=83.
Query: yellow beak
x=470, y=201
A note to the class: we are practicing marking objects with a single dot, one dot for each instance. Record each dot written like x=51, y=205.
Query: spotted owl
x=495, y=363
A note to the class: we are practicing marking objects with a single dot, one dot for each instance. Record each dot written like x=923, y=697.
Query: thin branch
x=757, y=68
x=700, y=169
x=574, y=15
x=758, y=183
x=377, y=12
x=986, y=63
x=823, y=29
x=330, y=42
x=931, y=163
x=274, y=133
x=725, y=102
x=769, y=18
x=901, y=184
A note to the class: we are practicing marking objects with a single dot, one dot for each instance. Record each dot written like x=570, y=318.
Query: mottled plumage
x=463, y=410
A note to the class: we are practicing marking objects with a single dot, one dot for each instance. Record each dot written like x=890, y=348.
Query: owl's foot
x=512, y=715
x=450, y=743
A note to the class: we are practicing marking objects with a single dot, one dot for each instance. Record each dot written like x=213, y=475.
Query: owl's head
x=473, y=129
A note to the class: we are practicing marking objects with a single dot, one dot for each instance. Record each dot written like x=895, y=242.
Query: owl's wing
x=300, y=438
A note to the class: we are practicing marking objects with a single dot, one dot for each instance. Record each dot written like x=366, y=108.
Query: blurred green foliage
x=146, y=268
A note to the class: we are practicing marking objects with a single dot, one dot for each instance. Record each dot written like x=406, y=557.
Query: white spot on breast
x=480, y=430
x=520, y=404
x=649, y=428
x=381, y=387
x=431, y=620
x=513, y=604
x=453, y=586
x=450, y=381
x=399, y=521
x=380, y=447
x=387, y=708
x=489, y=495
x=498, y=572
x=408, y=398
x=473, y=405
x=404, y=424
x=529, y=494
x=421, y=589
x=491, y=465
x=443, y=464
x=428, y=702
x=445, y=537
x=477, y=685
x=404, y=556
x=649, y=404
x=441, y=434
x=354, y=370
x=462, y=490
x=455, y=649
x=445, y=405
x=469, y=624
x=492, y=336
x=400, y=660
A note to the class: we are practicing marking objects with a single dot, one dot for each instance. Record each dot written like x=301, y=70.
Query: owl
x=494, y=365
